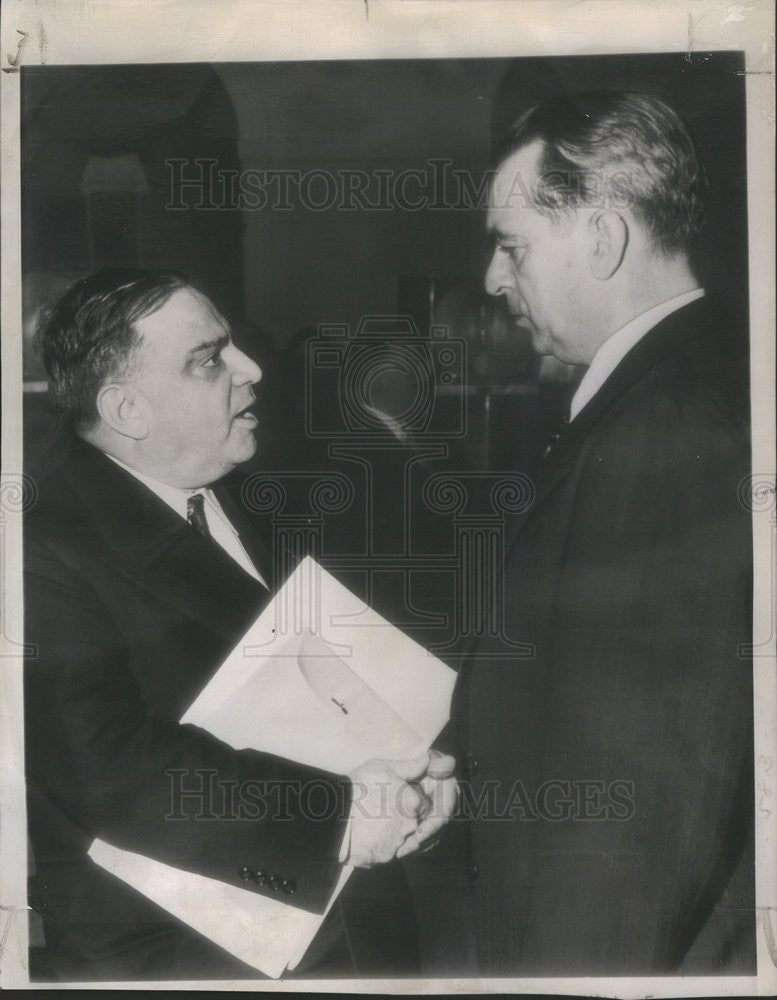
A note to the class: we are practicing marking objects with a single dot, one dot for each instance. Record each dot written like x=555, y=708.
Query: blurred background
x=167, y=166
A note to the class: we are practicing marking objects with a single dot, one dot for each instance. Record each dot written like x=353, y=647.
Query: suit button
x=275, y=883
x=260, y=878
x=474, y=873
x=245, y=874
x=289, y=886
x=471, y=764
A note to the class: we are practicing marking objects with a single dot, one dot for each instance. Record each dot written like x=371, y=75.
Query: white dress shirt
x=219, y=525
x=616, y=347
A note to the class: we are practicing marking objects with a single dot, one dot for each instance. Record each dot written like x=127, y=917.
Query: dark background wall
x=97, y=146
x=304, y=267
x=94, y=181
x=288, y=269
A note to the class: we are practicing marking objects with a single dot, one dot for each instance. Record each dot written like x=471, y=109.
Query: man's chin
x=248, y=452
x=540, y=342
x=246, y=449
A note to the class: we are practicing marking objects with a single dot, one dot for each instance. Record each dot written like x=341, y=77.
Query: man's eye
x=515, y=251
x=214, y=361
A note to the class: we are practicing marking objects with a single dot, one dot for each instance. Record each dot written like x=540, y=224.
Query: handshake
x=399, y=805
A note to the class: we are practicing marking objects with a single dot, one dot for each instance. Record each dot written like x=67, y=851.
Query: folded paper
x=320, y=679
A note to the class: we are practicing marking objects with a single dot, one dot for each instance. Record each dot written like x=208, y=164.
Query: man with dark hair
x=90, y=337
x=142, y=571
x=618, y=149
x=609, y=770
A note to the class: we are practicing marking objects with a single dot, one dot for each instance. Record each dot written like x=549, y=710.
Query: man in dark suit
x=609, y=769
x=142, y=572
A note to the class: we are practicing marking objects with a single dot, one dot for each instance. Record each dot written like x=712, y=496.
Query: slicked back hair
x=89, y=337
x=615, y=149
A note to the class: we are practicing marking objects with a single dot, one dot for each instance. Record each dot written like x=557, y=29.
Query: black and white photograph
x=388, y=519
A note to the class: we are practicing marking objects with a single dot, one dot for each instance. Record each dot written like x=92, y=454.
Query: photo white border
x=62, y=32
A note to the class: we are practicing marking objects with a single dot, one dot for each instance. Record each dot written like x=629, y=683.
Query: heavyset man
x=142, y=571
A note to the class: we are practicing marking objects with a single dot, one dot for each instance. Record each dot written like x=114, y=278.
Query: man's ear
x=609, y=237
x=122, y=409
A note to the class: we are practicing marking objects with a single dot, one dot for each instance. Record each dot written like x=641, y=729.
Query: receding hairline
x=194, y=293
x=525, y=190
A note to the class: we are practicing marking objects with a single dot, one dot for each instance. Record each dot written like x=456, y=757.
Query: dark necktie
x=195, y=514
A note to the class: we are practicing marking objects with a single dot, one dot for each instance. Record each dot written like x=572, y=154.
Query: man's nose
x=242, y=367
x=497, y=275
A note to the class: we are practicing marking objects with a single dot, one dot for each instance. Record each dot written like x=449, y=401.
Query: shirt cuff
x=345, y=848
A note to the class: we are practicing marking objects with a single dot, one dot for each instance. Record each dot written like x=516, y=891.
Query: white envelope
x=320, y=679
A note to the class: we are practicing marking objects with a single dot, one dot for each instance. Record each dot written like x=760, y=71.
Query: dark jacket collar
x=134, y=522
x=148, y=541
x=665, y=337
x=685, y=324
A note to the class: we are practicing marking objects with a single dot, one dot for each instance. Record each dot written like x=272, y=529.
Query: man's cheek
x=194, y=421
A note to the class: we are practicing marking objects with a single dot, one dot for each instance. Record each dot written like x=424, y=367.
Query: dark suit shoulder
x=667, y=436
x=60, y=520
x=707, y=374
x=693, y=391
x=56, y=513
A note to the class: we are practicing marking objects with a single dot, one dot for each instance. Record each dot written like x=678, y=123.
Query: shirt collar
x=174, y=496
x=616, y=347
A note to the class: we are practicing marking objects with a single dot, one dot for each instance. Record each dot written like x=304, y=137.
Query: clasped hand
x=398, y=805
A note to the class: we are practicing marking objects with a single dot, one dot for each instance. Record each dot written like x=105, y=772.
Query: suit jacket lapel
x=259, y=553
x=150, y=543
x=679, y=326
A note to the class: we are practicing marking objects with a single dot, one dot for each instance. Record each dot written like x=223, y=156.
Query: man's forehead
x=511, y=223
x=187, y=313
x=515, y=182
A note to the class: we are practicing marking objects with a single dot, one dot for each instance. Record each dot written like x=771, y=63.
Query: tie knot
x=195, y=514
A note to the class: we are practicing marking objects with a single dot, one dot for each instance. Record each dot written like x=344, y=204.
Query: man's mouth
x=521, y=320
x=245, y=416
x=516, y=313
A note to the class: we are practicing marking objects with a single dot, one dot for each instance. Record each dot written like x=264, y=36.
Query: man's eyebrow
x=208, y=345
x=500, y=234
x=216, y=344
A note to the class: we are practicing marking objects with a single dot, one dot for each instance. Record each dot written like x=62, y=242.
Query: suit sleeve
x=647, y=722
x=98, y=755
